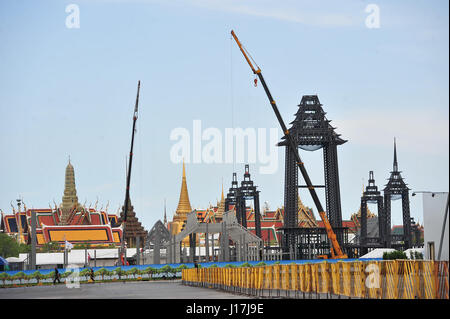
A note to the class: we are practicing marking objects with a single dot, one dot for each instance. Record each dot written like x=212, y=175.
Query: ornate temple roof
x=310, y=128
x=70, y=221
x=132, y=226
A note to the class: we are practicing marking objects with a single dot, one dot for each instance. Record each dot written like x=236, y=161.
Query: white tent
x=77, y=257
x=410, y=251
x=377, y=253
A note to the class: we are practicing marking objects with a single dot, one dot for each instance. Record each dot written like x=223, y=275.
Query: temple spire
x=70, y=193
x=221, y=205
x=184, y=205
x=69, y=199
x=165, y=215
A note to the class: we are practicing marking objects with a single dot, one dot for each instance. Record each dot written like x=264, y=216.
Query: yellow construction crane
x=335, y=249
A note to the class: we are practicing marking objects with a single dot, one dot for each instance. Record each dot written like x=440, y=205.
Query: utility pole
x=19, y=221
x=33, y=240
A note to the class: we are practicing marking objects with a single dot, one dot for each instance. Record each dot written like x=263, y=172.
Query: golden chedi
x=184, y=207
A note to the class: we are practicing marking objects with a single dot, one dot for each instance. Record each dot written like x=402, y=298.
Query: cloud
x=417, y=130
x=324, y=14
x=284, y=11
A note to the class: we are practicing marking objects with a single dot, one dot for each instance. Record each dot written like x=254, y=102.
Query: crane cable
x=231, y=93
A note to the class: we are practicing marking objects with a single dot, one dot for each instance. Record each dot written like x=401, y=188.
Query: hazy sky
x=71, y=92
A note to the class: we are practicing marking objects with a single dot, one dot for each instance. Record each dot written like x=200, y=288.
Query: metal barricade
x=393, y=279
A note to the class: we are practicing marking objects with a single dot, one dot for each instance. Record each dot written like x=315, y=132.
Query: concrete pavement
x=113, y=290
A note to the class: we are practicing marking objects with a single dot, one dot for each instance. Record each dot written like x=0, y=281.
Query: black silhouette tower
x=311, y=131
x=371, y=195
x=238, y=196
x=396, y=189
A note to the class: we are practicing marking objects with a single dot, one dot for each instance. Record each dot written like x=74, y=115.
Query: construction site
x=240, y=246
x=237, y=232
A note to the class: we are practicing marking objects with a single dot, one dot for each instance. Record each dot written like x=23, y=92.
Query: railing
x=399, y=279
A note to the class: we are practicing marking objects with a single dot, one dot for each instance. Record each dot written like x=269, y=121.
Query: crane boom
x=336, y=250
x=123, y=256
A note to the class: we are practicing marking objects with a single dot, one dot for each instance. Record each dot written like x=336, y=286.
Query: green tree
x=82, y=246
x=37, y=275
x=66, y=274
x=51, y=247
x=133, y=271
x=262, y=263
x=396, y=254
x=4, y=276
x=415, y=255
x=150, y=270
x=183, y=266
x=165, y=270
x=85, y=272
x=119, y=271
x=9, y=247
x=49, y=275
x=20, y=275
x=102, y=272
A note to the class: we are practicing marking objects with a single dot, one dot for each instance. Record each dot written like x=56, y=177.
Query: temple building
x=271, y=221
x=69, y=221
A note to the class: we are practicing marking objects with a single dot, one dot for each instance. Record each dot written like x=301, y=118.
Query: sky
x=68, y=80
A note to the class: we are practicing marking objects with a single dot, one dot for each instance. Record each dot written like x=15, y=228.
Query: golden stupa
x=184, y=207
x=220, y=207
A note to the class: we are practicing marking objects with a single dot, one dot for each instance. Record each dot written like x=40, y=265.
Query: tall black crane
x=127, y=191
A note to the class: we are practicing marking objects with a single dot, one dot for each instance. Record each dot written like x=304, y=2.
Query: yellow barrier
x=335, y=279
x=358, y=280
x=324, y=277
x=294, y=277
x=407, y=279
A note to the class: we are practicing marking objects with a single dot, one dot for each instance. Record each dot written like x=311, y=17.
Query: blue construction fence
x=179, y=266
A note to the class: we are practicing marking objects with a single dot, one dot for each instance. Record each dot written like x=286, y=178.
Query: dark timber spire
x=396, y=189
x=395, y=157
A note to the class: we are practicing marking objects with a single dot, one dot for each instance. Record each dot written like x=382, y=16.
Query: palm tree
x=150, y=270
x=133, y=271
x=119, y=271
x=37, y=275
x=4, y=276
x=102, y=272
x=166, y=269
x=20, y=275
x=85, y=272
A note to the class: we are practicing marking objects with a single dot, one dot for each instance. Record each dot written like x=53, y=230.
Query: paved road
x=134, y=290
